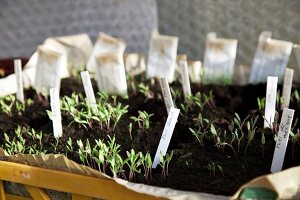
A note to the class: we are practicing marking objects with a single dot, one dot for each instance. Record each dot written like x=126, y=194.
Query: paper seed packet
x=162, y=56
x=105, y=44
x=219, y=60
x=50, y=64
x=110, y=73
x=271, y=58
x=77, y=49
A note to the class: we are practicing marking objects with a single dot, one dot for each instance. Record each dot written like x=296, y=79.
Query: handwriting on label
x=166, y=135
x=282, y=140
x=166, y=93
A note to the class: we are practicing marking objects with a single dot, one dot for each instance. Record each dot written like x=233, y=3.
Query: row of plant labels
x=173, y=113
x=60, y=57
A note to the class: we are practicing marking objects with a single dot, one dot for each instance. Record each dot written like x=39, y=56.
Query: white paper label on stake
x=287, y=87
x=55, y=110
x=282, y=139
x=270, y=101
x=19, y=78
x=185, y=79
x=166, y=93
x=166, y=135
x=88, y=88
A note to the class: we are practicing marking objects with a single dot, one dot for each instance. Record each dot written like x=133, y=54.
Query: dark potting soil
x=188, y=169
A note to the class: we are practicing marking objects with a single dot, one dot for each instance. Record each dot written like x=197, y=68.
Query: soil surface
x=189, y=168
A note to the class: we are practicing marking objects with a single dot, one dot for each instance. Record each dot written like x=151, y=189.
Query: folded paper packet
x=271, y=58
x=110, y=73
x=219, y=60
x=104, y=44
x=162, y=56
x=76, y=48
x=60, y=162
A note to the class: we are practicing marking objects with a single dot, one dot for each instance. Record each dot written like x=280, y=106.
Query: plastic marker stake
x=185, y=79
x=282, y=140
x=88, y=88
x=166, y=93
x=18, y=73
x=287, y=87
x=166, y=135
x=270, y=101
x=56, y=115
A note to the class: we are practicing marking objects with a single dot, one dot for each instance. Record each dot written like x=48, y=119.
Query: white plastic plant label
x=105, y=44
x=48, y=69
x=185, y=79
x=219, y=60
x=271, y=58
x=166, y=93
x=110, y=74
x=55, y=112
x=287, y=87
x=19, y=79
x=195, y=71
x=88, y=88
x=270, y=101
x=162, y=57
x=166, y=135
x=282, y=139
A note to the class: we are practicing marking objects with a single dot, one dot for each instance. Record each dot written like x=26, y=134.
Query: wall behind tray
x=26, y=23
x=191, y=20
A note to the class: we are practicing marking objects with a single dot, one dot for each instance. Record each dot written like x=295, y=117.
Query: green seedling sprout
x=147, y=165
x=251, y=127
x=103, y=97
x=55, y=145
x=133, y=162
x=240, y=124
x=145, y=90
x=164, y=162
x=213, y=167
x=184, y=108
x=261, y=103
x=295, y=97
x=222, y=143
x=143, y=119
x=198, y=134
x=6, y=104
x=119, y=111
x=209, y=99
x=69, y=147
x=175, y=94
x=100, y=154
